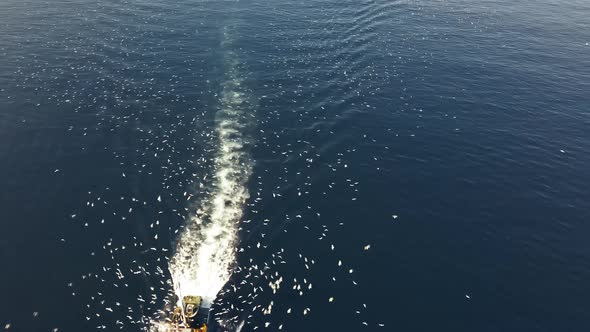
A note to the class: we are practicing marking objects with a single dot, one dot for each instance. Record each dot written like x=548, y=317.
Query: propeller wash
x=205, y=251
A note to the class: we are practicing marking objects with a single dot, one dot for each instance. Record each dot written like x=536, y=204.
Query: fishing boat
x=189, y=316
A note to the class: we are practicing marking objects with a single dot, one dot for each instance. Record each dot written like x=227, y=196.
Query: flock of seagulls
x=157, y=133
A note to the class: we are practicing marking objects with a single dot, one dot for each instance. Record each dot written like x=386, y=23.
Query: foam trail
x=205, y=252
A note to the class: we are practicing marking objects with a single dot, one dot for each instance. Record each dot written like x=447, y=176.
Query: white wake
x=205, y=251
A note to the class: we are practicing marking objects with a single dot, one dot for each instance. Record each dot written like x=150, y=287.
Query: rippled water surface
x=319, y=165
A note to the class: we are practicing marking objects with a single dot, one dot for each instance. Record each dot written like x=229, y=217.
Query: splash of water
x=205, y=250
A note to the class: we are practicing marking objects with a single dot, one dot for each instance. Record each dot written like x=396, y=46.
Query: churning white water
x=205, y=251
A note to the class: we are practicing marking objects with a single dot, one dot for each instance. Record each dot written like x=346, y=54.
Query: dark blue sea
x=375, y=165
